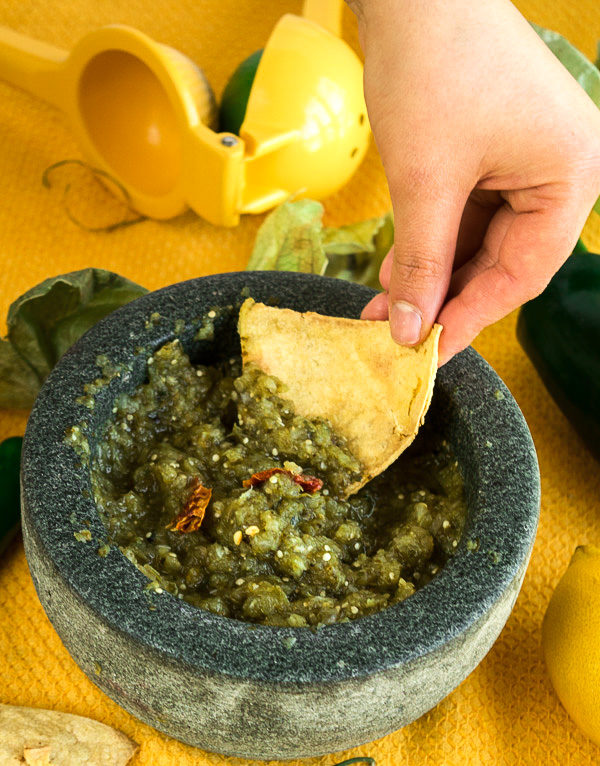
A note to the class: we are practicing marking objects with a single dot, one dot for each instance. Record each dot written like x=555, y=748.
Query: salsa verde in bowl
x=197, y=478
x=236, y=687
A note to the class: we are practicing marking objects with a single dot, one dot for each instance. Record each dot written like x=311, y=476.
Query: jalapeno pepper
x=560, y=332
x=10, y=510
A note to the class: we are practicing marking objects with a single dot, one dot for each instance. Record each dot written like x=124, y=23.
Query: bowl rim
x=501, y=527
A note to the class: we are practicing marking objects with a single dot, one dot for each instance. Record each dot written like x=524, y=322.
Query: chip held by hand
x=350, y=372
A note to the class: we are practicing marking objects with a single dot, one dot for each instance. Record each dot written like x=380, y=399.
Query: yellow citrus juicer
x=144, y=114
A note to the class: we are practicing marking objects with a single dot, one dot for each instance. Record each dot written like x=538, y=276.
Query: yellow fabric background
x=506, y=711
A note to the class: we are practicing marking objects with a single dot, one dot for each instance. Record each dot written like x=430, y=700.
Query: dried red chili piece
x=262, y=476
x=190, y=518
x=308, y=483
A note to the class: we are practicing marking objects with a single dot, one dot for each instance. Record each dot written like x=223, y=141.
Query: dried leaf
x=19, y=384
x=192, y=515
x=46, y=321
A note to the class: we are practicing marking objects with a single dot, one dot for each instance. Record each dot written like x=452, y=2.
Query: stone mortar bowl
x=250, y=690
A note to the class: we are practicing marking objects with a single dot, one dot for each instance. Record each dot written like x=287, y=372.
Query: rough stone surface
x=241, y=689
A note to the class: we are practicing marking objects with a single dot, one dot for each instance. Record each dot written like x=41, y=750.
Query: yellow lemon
x=571, y=640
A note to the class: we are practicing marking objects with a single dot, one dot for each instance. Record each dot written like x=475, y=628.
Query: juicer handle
x=32, y=65
x=326, y=13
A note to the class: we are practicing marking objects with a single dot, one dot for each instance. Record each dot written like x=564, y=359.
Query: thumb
x=426, y=223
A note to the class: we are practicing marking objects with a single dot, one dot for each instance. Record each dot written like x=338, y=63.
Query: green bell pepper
x=560, y=332
x=10, y=508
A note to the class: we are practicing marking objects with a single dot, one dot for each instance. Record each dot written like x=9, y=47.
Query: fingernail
x=405, y=323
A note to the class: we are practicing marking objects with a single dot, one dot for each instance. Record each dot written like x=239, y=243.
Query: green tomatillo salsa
x=273, y=547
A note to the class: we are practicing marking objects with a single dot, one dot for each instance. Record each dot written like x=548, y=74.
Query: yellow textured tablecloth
x=506, y=711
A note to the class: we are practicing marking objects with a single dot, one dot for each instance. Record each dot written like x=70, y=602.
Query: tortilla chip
x=374, y=392
x=37, y=756
x=35, y=736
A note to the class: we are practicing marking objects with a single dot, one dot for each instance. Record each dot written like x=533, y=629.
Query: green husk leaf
x=302, y=250
x=292, y=238
x=582, y=69
x=289, y=225
x=384, y=240
x=45, y=321
x=363, y=267
x=353, y=238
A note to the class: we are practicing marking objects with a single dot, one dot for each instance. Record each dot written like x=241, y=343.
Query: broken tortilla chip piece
x=37, y=756
x=350, y=372
x=35, y=736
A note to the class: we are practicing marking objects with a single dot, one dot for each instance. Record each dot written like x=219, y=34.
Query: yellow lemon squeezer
x=144, y=113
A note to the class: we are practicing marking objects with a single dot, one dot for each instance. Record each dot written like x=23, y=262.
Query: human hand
x=492, y=154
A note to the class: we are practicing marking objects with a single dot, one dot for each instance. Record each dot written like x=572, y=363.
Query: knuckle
x=419, y=268
x=517, y=283
x=585, y=176
x=593, y=171
x=472, y=321
x=583, y=167
x=507, y=274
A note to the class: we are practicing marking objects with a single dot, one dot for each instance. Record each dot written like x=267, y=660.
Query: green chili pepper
x=361, y=759
x=10, y=507
x=560, y=332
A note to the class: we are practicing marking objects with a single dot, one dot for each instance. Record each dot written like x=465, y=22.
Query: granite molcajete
x=251, y=690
